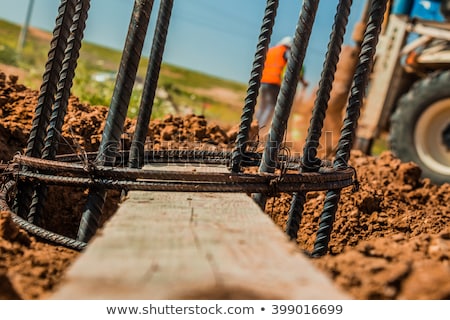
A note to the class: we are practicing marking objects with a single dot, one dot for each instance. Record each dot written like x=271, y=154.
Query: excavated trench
x=391, y=239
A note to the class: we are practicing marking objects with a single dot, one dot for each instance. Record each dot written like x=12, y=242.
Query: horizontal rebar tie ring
x=251, y=159
x=74, y=174
x=5, y=190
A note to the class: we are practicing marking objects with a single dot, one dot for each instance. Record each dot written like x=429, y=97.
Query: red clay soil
x=391, y=239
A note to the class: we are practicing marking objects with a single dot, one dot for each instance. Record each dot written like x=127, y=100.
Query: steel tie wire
x=310, y=162
x=345, y=144
x=254, y=84
x=117, y=112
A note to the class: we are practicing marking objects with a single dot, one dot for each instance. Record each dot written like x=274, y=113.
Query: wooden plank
x=193, y=246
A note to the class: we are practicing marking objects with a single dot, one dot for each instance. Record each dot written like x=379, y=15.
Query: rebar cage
x=24, y=186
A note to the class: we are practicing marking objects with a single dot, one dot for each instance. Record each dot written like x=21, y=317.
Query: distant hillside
x=185, y=90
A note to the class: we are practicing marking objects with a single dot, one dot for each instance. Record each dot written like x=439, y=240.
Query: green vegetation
x=187, y=89
x=8, y=55
x=380, y=145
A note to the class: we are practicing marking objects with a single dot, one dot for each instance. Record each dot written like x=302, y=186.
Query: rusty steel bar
x=192, y=156
x=336, y=180
x=79, y=170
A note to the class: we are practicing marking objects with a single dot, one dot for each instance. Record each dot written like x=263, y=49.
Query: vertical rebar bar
x=287, y=92
x=46, y=97
x=24, y=30
x=136, y=159
x=310, y=162
x=357, y=92
x=254, y=84
x=117, y=112
x=295, y=214
x=61, y=100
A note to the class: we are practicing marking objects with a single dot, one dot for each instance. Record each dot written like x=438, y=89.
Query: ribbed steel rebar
x=194, y=157
x=117, y=112
x=125, y=80
x=5, y=191
x=360, y=81
x=151, y=81
x=48, y=235
x=65, y=83
x=46, y=96
x=267, y=185
x=295, y=214
x=61, y=101
x=50, y=167
x=287, y=91
x=50, y=78
x=310, y=162
x=254, y=84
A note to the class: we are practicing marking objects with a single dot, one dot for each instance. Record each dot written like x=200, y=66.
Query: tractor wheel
x=420, y=127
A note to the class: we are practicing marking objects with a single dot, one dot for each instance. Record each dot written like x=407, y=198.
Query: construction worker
x=273, y=72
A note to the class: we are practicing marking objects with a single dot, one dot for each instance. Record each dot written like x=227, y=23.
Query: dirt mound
x=29, y=269
x=304, y=103
x=84, y=124
x=175, y=132
x=385, y=235
x=391, y=239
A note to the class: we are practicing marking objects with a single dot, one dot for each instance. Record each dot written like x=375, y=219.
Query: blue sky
x=213, y=36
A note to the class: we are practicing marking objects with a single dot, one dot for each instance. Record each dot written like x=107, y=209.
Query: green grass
x=195, y=79
x=9, y=33
x=179, y=82
x=380, y=145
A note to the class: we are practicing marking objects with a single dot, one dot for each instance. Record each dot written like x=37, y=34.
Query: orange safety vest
x=274, y=65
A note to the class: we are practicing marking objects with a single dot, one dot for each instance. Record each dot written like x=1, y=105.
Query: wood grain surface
x=182, y=245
